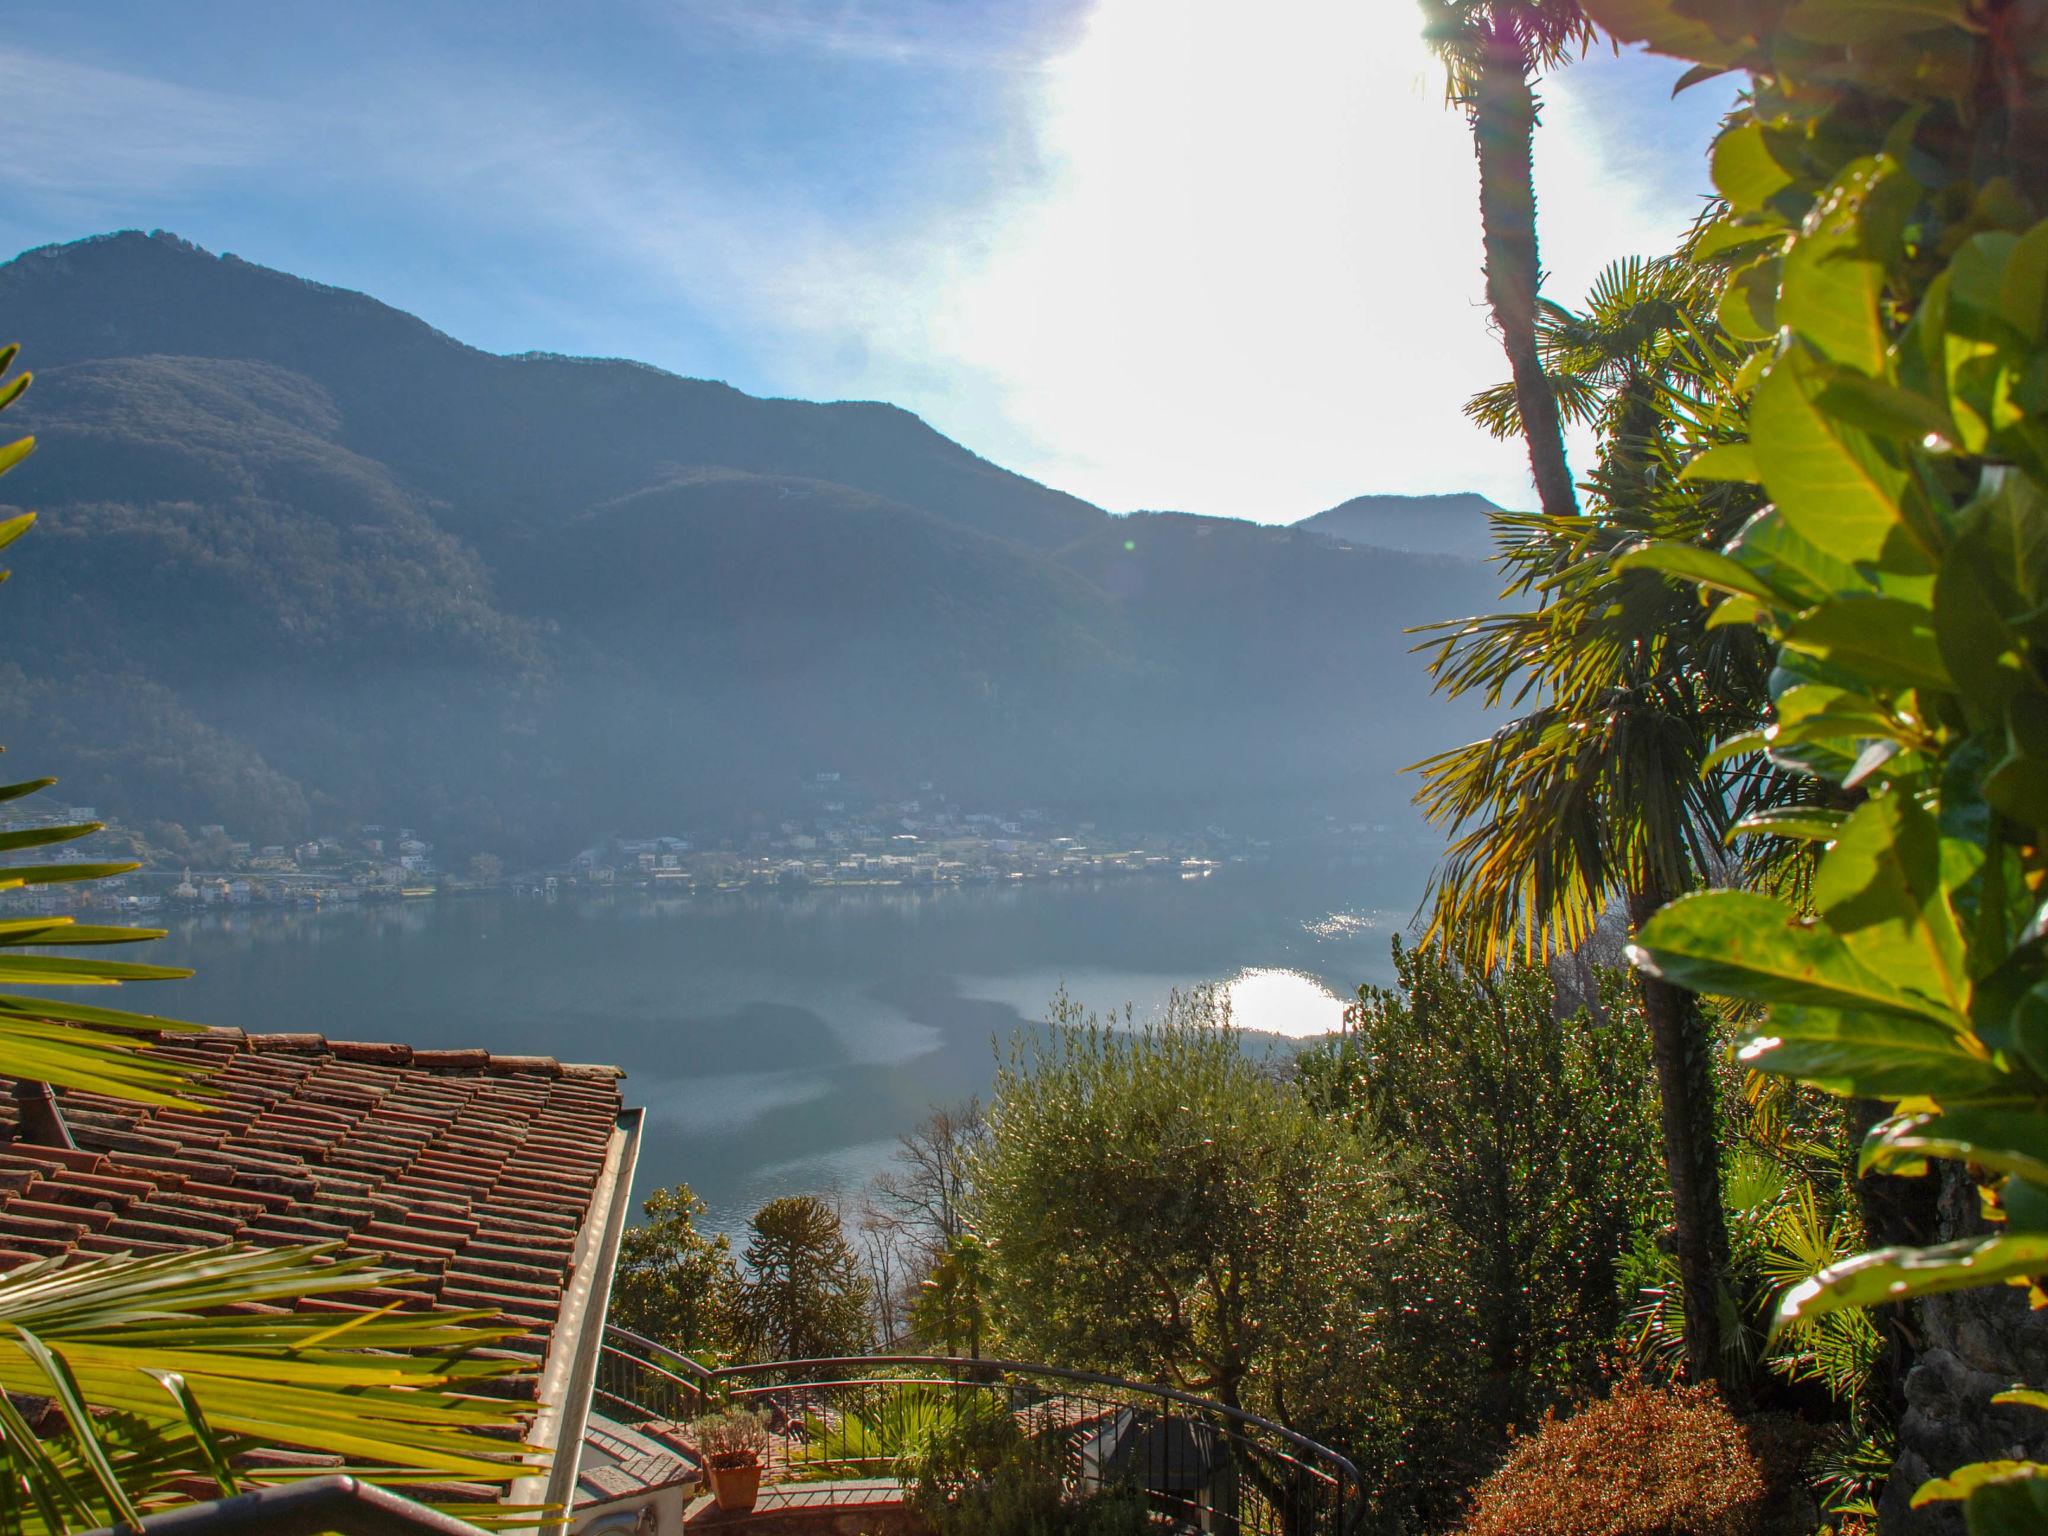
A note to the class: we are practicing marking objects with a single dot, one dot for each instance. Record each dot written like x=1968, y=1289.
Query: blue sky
x=1184, y=254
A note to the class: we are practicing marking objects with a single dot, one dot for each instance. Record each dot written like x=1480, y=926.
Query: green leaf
x=1806, y=825
x=1877, y=1055
x=84, y=1434
x=1688, y=562
x=1724, y=461
x=10, y=455
x=1887, y=640
x=1747, y=945
x=2016, y=1505
x=1749, y=301
x=2023, y=291
x=1883, y=891
x=1745, y=172
x=1668, y=31
x=1897, y=1274
x=1733, y=233
x=40, y=837
x=1790, y=562
x=2024, y=1397
x=2006, y=1140
x=57, y=874
x=1871, y=21
x=1828, y=479
x=1884, y=409
x=202, y=1433
x=26, y=787
x=1830, y=289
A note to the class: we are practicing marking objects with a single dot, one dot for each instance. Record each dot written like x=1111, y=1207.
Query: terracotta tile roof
x=473, y=1170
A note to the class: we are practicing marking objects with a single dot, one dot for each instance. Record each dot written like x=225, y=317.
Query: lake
x=781, y=1041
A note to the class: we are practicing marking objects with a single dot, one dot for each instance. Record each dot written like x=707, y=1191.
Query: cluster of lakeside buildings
x=840, y=837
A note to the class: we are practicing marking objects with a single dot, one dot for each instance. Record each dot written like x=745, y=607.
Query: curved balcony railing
x=1198, y=1465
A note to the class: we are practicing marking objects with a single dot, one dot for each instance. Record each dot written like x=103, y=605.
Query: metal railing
x=1197, y=1465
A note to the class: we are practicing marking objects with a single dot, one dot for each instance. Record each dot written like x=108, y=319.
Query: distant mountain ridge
x=1453, y=524
x=304, y=559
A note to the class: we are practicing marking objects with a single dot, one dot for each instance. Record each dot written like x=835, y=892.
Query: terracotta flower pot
x=735, y=1487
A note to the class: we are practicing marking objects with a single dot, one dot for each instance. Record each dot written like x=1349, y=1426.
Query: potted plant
x=731, y=1443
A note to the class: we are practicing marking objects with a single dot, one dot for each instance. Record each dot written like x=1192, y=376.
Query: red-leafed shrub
x=1643, y=1461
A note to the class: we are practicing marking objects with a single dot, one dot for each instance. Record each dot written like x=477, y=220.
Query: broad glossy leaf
x=1748, y=310
x=1733, y=233
x=1895, y=1274
x=1884, y=408
x=2023, y=290
x=1724, y=461
x=2007, y=1140
x=1665, y=30
x=1745, y=171
x=1883, y=890
x=1831, y=287
x=1888, y=640
x=1790, y=562
x=2018, y=781
x=1829, y=480
x=1878, y=1055
x=1871, y=21
x=1747, y=945
x=1807, y=825
x=2016, y=1505
x=1688, y=562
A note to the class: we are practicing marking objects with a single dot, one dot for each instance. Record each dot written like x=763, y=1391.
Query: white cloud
x=87, y=136
x=1228, y=260
x=1251, y=284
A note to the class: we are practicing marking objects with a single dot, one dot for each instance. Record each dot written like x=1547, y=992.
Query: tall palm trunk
x=1682, y=1052
x=1503, y=112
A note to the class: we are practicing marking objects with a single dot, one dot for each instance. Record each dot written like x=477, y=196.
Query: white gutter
x=569, y=1373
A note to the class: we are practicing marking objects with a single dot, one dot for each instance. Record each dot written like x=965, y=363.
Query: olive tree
x=1160, y=1203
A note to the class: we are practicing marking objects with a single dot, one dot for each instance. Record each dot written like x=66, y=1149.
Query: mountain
x=1455, y=524
x=305, y=560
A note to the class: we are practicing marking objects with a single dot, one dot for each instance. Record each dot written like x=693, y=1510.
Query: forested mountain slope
x=304, y=559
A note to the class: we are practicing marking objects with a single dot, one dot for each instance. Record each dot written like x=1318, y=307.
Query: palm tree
x=1492, y=52
x=1593, y=794
x=160, y=1370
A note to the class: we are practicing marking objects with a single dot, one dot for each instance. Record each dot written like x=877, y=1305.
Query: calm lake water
x=780, y=1042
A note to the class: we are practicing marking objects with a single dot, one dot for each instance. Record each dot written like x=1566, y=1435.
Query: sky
x=1194, y=255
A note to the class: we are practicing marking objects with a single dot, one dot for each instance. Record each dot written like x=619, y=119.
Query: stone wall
x=1971, y=1344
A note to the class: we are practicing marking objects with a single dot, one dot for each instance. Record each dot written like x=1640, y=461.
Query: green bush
x=1531, y=1142
x=983, y=1475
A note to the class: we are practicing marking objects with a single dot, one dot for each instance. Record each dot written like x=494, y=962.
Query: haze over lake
x=780, y=1042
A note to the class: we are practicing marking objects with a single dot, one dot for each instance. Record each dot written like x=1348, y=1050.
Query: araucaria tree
x=806, y=1294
